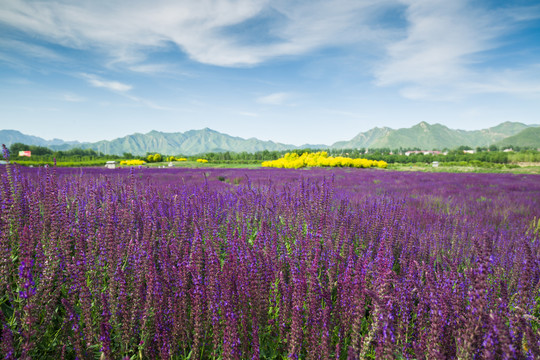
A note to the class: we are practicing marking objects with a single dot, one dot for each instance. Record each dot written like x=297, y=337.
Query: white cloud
x=31, y=50
x=441, y=41
x=73, y=98
x=155, y=69
x=274, y=99
x=521, y=81
x=524, y=82
x=111, y=85
x=124, y=30
x=123, y=90
x=435, y=54
x=12, y=50
x=446, y=42
x=150, y=68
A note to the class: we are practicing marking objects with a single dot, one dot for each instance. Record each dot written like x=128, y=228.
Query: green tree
x=157, y=157
x=16, y=147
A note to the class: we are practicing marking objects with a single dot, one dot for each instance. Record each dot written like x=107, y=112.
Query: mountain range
x=428, y=137
x=189, y=143
x=423, y=136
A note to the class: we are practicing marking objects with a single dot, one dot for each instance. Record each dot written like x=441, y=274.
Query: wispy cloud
x=274, y=99
x=73, y=98
x=31, y=50
x=208, y=31
x=157, y=69
x=107, y=84
x=445, y=45
x=11, y=52
x=151, y=68
x=441, y=41
x=122, y=89
x=434, y=51
x=523, y=81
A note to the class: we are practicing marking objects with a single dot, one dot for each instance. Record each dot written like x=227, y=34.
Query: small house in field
x=110, y=164
x=3, y=162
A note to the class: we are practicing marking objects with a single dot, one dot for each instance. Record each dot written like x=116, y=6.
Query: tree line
x=490, y=154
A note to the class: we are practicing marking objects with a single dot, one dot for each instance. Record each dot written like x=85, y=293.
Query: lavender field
x=268, y=264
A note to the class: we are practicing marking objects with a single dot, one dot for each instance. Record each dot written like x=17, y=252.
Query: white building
x=110, y=164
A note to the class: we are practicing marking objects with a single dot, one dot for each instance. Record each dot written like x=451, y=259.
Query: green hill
x=527, y=138
x=365, y=139
x=427, y=137
x=189, y=143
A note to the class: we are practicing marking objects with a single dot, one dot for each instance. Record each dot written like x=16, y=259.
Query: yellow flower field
x=321, y=159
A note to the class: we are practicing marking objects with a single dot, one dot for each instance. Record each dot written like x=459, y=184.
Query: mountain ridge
x=422, y=135
x=191, y=142
x=436, y=136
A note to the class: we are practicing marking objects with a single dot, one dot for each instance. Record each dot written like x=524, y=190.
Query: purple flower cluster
x=268, y=263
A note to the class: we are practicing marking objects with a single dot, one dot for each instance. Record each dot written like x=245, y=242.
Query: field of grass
x=528, y=168
x=522, y=168
x=519, y=168
x=197, y=165
x=34, y=163
x=220, y=263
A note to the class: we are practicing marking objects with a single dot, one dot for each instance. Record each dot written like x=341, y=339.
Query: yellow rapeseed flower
x=320, y=159
x=133, y=162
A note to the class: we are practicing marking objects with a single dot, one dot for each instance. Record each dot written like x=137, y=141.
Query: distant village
x=435, y=152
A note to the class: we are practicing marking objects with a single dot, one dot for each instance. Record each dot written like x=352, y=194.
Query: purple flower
x=25, y=273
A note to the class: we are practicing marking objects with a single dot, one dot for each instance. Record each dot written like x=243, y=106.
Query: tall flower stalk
x=318, y=264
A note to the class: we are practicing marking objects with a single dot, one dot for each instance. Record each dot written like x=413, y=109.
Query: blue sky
x=302, y=71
